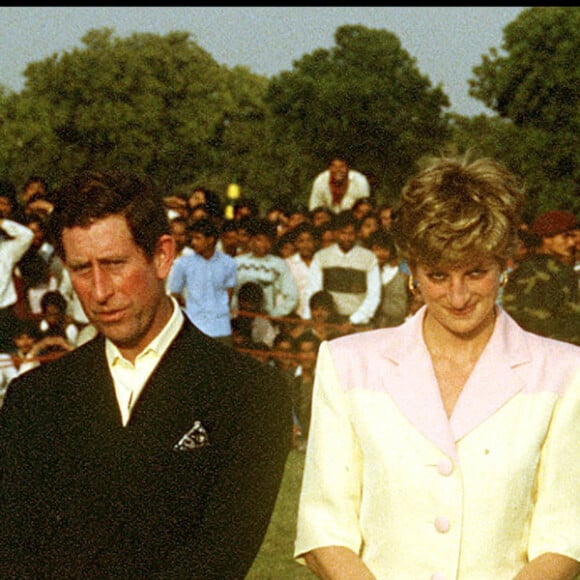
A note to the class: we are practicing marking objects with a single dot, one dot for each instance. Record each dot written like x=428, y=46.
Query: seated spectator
x=54, y=320
x=283, y=355
x=362, y=207
x=349, y=272
x=306, y=244
x=320, y=215
x=23, y=335
x=338, y=187
x=261, y=352
x=325, y=234
x=228, y=242
x=30, y=348
x=367, y=226
x=250, y=300
x=39, y=269
x=270, y=271
x=284, y=245
x=307, y=345
x=15, y=239
x=395, y=297
x=326, y=321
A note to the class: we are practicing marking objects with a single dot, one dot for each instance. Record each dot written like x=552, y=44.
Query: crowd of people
x=278, y=283
x=327, y=269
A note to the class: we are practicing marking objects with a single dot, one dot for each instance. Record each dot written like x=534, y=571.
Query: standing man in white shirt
x=338, y=187
x=349, y=272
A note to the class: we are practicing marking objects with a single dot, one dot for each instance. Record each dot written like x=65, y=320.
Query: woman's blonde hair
x=457, y=210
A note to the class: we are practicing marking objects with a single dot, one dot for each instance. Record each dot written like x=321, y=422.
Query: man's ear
x=164, y=255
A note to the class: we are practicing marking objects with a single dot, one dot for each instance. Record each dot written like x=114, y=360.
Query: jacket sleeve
x=555, y=525
x=331, y=488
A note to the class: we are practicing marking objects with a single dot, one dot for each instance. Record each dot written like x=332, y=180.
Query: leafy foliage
x=162, y=105
x=151, y=103
x=365, y=99
x=536, y=85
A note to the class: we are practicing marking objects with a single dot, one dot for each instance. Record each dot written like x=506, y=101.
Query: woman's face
x=460, y=300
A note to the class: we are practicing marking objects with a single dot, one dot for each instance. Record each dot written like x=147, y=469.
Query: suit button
x=442, y=524
x=445, y=466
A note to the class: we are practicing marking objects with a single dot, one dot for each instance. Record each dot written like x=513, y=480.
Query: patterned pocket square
x=194, y=438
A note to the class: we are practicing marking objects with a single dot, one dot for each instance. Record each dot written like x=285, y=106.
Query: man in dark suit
x=152, y=451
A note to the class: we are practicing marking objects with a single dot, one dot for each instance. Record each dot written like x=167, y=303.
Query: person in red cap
x=542, y=292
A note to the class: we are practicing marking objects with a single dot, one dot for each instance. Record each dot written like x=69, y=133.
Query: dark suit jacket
x=81, y=496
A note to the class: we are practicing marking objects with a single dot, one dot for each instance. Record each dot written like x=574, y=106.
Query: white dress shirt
x=130, y=378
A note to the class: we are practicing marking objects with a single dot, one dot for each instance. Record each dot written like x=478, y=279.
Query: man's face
x=203, y=245
x=561, y=246
x=24, y=342
x=120, y=288
x=383, y=254
x=261, y=245
x=229, y=241
x=243, y=239
x=305, y=245
x=338, y=170
x=346, y=238
x=386, y=217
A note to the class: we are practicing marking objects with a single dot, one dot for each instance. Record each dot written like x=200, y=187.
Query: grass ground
x=274, y=561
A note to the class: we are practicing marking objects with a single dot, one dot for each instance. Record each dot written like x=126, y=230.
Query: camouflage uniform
x=542, y=296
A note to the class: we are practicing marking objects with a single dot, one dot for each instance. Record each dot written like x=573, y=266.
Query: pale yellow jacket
x=421, y=496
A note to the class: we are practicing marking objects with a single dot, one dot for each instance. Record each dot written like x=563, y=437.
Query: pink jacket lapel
x=415, y=391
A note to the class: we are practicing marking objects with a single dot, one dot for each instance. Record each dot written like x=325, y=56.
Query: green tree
x=536, y=85
x=364, y=98
x=156, y=104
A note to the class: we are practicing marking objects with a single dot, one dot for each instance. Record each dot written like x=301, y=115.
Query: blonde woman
x=447, y=447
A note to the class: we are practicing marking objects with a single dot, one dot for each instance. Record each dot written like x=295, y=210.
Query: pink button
x=437, y=576
x=442, y=524
x=445, y=466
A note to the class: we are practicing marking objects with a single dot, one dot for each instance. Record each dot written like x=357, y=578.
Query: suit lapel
x=418, y=397
x=492, y=383
x=177, y=386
